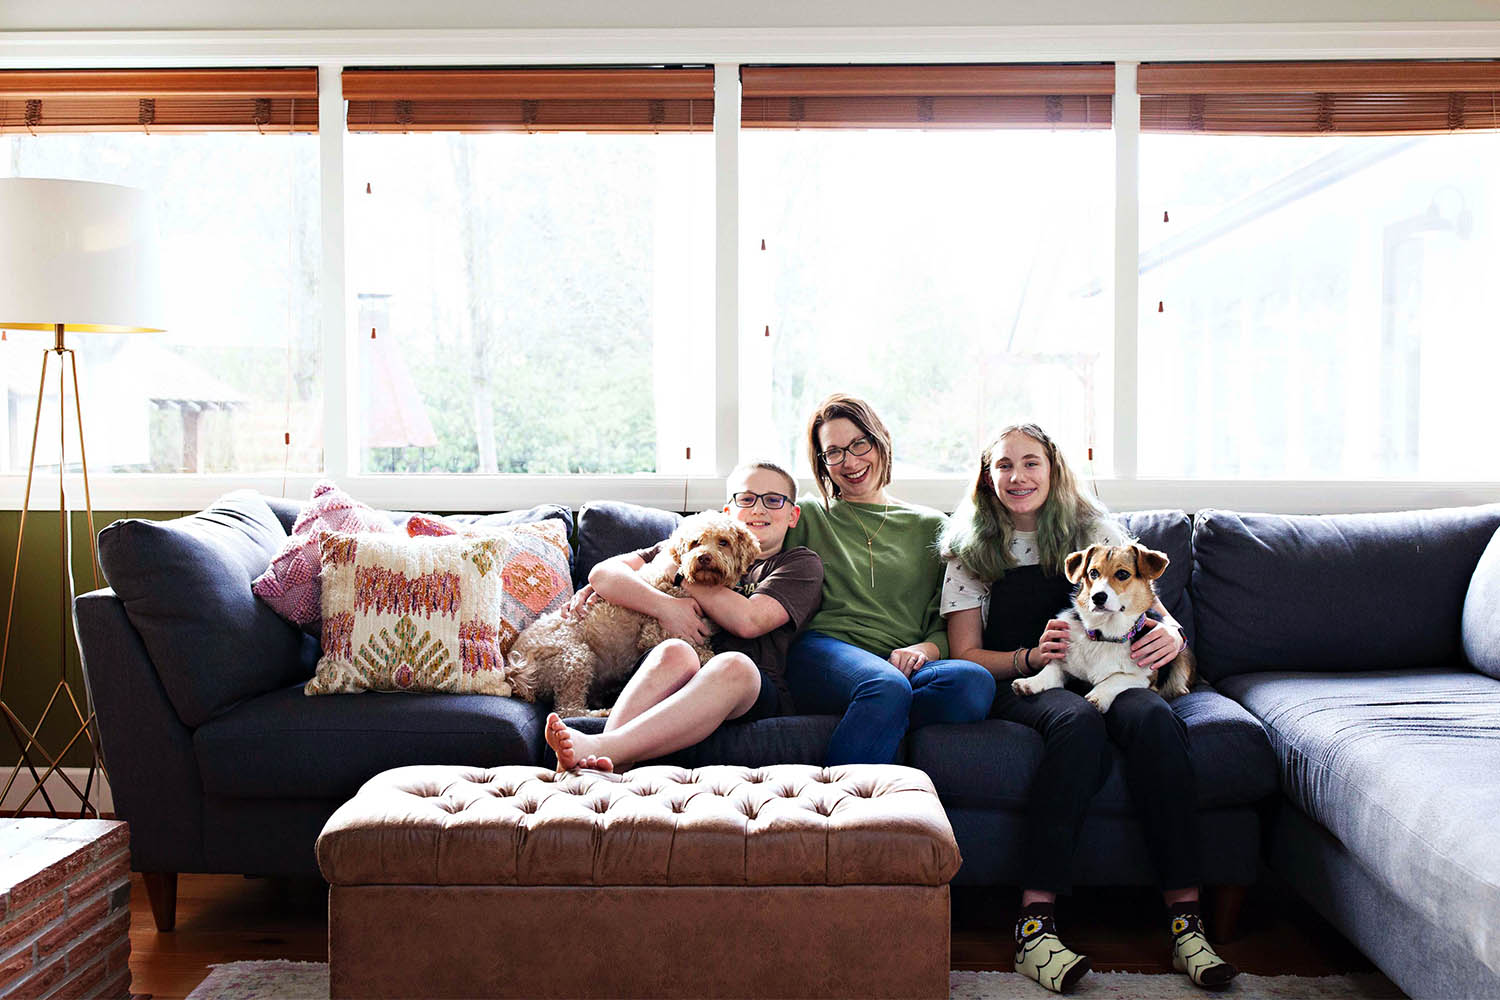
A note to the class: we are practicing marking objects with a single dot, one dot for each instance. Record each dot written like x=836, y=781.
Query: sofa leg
x=161, y=887
x=1227, y=901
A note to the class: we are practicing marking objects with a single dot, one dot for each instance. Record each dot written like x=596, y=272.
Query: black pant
x=1076, y=760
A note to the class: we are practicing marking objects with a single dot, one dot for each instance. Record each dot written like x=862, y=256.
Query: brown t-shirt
x=794, y=578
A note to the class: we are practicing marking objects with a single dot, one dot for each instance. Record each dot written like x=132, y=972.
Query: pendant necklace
x=869, y=538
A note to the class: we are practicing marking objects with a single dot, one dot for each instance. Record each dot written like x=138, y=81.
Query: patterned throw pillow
x=434, y=613
x=290, y=585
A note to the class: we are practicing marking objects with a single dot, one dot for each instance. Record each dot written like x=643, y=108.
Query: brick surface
x=84, y=983
x=13, y=968
x=115, y=871
x=119, y=956
x=30, y=922
x=117, y=988
x=77, y=923
x=98, y=941
x=40, y=982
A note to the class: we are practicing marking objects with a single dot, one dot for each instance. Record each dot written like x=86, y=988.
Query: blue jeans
x=831, y=677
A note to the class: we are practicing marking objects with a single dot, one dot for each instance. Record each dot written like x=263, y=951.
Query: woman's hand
x=587, y=597
x=1053, y=645
x=1158, y=647
x=684, y=619
x=910, y=659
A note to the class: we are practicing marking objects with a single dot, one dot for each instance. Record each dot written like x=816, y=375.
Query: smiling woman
x=876, y=652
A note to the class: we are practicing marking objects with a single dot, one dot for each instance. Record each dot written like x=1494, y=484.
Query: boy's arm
x=618, y=581
x=746, y=617
x=790, y=593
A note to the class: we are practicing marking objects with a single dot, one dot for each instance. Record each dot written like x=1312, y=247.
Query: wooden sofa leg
x=161, y=887
x=1226, y=902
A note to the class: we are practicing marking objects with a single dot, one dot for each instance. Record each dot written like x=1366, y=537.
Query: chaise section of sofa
x=1342, y=634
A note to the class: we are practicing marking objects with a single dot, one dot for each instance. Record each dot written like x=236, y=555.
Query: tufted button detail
x=678, y=807
x=601, y=806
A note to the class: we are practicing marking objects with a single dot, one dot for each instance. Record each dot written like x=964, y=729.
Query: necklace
x=869, y=538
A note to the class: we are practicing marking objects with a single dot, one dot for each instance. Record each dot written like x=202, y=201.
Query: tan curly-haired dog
x=563, y=657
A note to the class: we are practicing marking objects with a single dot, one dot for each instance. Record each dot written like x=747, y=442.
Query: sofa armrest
x=148, y=752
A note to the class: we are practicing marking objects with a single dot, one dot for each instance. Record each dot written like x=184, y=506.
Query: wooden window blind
x=159, y=100
x=928, y=97
x=1320, y=98
x=530, y=100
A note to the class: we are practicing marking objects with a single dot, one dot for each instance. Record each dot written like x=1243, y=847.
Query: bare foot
x=572, y=747
x=594, y=763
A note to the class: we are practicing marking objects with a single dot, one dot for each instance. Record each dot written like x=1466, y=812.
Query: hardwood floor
x=226, y=918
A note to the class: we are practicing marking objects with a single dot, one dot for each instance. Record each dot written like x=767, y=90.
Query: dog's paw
x=1099, y=700
x=1023, y=687
x=598, y=713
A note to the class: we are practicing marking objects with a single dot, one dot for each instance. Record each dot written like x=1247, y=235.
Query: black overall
x=1077, y=756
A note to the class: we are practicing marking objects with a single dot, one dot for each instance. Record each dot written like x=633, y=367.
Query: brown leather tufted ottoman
x=725, y=881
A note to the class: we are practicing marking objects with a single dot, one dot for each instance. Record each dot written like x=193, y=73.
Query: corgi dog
x=1108, y=613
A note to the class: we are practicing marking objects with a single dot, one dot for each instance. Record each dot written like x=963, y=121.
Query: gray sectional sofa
x=221, y=764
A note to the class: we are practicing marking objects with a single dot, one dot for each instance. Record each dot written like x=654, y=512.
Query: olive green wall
x=37, y=629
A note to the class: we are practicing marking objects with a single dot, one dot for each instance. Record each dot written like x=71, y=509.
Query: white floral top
x=963, y=590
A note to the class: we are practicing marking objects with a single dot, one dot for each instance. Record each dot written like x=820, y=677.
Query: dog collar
x=1135, y=631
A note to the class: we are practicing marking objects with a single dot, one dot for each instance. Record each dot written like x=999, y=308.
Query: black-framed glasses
x=836, y=455
x=773, y=501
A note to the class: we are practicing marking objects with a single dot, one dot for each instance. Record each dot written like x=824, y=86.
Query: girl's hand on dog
x=1053, y=645
x=684, y=619
x=1158, y=647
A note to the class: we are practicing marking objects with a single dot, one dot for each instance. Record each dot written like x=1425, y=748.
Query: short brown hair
x=744, y=468
x=863, y=416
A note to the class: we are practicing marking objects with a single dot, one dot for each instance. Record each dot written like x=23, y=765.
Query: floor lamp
x=75, y=257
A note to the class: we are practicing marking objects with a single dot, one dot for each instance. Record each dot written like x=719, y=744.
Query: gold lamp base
x=37, y=761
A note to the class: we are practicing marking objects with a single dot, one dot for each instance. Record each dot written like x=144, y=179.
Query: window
x=935, y=239
x=232, y=166
x=1315, y=302
x=532, y=255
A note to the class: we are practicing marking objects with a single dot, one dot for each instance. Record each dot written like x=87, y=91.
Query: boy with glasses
x=671, y=702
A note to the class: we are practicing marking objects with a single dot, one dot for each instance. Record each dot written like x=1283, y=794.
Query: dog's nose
x=1100, y=598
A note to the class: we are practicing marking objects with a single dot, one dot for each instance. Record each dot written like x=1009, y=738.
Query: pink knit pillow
x=290, y=585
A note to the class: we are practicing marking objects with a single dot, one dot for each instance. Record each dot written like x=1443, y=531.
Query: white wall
x=76, y=15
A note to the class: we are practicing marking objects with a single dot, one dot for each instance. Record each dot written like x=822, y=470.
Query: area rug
x=309, y=981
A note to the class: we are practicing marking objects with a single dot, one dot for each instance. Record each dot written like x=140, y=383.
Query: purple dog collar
x=1139, y=627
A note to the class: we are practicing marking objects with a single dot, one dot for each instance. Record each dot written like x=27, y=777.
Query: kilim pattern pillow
x=434, y=614
x=290, y=585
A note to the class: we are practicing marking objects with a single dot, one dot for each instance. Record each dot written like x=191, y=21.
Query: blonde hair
x=862, y=415
x=980, y=531
x=745, y=468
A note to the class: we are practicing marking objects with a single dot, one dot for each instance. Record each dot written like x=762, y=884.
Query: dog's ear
x=679, y=544
x=1150, y=563
x=1076, y=563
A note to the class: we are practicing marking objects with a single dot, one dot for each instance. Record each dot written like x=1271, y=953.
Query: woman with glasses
x=671, y=702
x=876, y=651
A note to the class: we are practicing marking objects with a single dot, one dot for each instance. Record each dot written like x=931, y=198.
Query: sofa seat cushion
x=785, y=739
x=1400, y=766
x=185, y=585
x=990, y=764
x=287, y=745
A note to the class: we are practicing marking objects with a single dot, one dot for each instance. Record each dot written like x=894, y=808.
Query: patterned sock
x=1039, y=953
x=1191, y=952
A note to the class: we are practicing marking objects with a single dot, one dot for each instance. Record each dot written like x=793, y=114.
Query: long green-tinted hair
x=980, y=531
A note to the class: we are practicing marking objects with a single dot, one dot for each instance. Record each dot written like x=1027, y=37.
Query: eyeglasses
x=836, y=455
x=773, y=501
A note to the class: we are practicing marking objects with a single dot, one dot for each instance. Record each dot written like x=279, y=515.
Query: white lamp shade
x=79, y=253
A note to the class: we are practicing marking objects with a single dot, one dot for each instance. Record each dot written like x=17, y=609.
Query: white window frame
x=725, y=50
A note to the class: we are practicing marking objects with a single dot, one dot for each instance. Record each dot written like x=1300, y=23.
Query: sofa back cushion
x=1169, y=531
x=610, y=527
x=1481, y=622
x=1334, y=591
x=185, y=585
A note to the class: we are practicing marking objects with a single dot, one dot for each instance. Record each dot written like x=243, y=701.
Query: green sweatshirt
x=901, y=609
